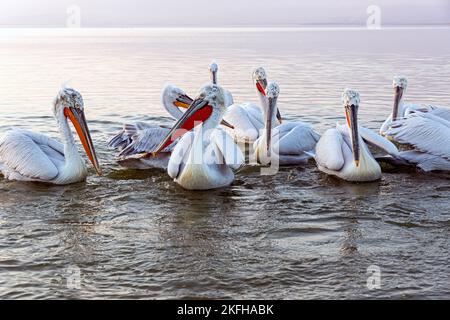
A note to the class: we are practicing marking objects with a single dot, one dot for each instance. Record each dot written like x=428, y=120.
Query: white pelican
x=429, y=135
x=292, y=142
x=402, y=110
x=138, y=138
x=204, y=157
x=343, y=152
x=248, y=118
x=425, y=128
x=31, y=156
x=213, y=70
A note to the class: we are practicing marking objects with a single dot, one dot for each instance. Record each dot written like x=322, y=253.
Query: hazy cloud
x=117, y=13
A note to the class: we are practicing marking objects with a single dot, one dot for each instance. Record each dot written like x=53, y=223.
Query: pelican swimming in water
x=343, y=151
x=135, y=139
x=429, y=137
x=32, y=156
x=425, y=128
x=402, y=110
x=248, y=118
x=292, y=142
x=204, y=158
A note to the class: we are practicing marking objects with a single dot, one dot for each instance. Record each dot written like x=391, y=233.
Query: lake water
x=296, y=235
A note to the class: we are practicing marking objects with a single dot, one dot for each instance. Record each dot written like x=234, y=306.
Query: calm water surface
x=299, y=234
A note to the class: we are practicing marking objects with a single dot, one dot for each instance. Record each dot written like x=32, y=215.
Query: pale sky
x=219, y=13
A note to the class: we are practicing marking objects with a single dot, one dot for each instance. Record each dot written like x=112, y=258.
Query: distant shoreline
x=138, y=31
x=288, y=26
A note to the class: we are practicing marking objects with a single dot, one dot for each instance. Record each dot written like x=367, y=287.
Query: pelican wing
x=441, y=112
x=139, y=138
x=32, y=155
x=386, y=125
x=425, y=161
x=180, y=154
x=405, y=110
x=295, y=138
x=246, y=119
x=424, y=131
x=230, y=152
x=329, y=152
x=124, y=137
x=228, y=98
x=376, y=140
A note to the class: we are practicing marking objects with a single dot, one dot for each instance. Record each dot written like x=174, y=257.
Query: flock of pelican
x=203, y=148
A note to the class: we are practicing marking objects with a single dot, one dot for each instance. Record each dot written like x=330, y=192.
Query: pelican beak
x=398, y=94
x=280, y=119
x=226, y=124
x=214, y=76
x=76, y=116
x=198, y=112
x=183, y=101
x=351, y=113
x=271, y=103
x=261, y=86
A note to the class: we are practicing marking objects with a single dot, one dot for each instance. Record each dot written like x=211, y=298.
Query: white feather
x=230, y=152
x=292, y=142
x=334, y=156
x=247, y=120
x=425, y=161
x=378, y=141
x=329, y=152
x=426, y=132
x=31, y=155
x=180, y=155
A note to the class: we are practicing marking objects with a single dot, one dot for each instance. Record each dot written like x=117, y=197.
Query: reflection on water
x=299, y=234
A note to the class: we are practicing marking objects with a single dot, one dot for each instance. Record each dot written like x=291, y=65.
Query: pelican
x=402, y=110
x=213, y=70
x=343, y=151
x=204, y=158
x=429, y=136
x=294, y=142
x=135, y=139
x=248, y=118
x=425, y=128
x=32, y=156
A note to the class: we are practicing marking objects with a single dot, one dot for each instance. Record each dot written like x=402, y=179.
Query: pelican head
x=209, y=107
x=350, y=100
x=69, y=103
x=260, y=80
x=213, y=69
x=173, y=97
x=214, y=94
x=399, y=84
x=272, y=92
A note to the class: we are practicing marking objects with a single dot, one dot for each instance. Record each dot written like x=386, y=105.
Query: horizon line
x=243, y=26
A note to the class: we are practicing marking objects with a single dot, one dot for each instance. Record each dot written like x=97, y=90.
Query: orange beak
x=183, y=101
x=180, y=104
x=78, y=120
